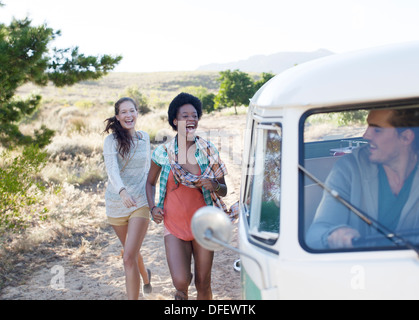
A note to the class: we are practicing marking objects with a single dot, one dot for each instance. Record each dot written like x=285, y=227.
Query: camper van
x=329, y=203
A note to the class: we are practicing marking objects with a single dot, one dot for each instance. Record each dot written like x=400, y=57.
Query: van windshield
x=369, y=158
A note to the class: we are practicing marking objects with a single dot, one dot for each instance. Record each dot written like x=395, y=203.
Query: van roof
x=372, y=75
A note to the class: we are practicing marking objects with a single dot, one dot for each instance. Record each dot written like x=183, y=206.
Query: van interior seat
x=320, y=168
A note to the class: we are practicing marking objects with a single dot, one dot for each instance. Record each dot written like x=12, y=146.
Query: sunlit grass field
x=69, y=219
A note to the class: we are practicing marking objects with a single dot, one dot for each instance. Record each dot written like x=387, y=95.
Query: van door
x=260, y=203
x=349, y=152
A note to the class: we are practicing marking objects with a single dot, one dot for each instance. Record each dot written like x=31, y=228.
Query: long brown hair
x=122, y=135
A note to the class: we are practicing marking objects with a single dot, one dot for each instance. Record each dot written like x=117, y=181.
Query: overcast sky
x=181, y=35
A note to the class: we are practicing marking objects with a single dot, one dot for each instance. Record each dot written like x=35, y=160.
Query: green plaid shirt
x=161, y=158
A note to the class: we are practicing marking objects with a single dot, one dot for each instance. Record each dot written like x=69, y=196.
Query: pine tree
x=25, y=57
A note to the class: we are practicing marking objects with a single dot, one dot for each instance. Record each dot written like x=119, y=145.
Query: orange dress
x=180, y=204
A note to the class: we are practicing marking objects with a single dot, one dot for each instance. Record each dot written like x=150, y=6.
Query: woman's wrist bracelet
x=151, y=211
x=218, y=186
x=120, y=190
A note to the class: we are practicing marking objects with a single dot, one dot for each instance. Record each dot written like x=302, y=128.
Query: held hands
x=127, y=200
x=157, y=214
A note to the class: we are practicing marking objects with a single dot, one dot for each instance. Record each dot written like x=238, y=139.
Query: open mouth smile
x=190, y=127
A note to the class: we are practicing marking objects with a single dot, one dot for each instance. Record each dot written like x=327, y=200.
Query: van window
x=262, y=198
x=349, y=190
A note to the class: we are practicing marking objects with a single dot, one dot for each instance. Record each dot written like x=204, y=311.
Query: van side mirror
x=212, y=228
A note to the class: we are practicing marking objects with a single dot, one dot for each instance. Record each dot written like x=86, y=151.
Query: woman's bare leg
x=132, y=237
x=141, y=267
x=179, y=257
x=203, y=265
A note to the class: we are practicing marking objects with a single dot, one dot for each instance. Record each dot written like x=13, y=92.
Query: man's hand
x=342, y=238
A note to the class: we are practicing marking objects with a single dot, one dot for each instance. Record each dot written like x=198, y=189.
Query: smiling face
x=385, y=143
x=127, y=116
x=186, y=121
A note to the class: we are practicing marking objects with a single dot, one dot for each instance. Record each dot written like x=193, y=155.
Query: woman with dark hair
x=191, y=176
x=127, y=159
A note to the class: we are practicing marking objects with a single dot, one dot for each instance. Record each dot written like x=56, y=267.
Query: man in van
x=381, y=179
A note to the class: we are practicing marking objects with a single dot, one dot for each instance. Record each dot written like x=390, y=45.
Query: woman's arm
x=110, y=155
x=150, y=188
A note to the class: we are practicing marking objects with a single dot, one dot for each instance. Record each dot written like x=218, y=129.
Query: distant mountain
x=274, y=63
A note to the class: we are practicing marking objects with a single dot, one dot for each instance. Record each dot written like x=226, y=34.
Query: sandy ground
x=104, y=278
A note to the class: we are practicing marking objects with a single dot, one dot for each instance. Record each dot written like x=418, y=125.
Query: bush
x=208, y=103
x=18, y=186
x=350, y=117
x=141, y=100
x=207, y=99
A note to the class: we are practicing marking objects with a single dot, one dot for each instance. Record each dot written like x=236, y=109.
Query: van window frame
x=263, y=125
x=301, y=160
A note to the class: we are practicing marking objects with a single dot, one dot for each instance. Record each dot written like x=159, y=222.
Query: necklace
x=135, y=149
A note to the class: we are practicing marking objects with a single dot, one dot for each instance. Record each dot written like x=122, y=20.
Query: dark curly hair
x=179, y=101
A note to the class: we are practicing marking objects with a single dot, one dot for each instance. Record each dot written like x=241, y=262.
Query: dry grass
x=159, y=87
x=74, y=225
x=324, y=127
x=74, y=228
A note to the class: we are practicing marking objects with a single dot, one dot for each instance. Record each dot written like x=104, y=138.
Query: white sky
x=181, y=35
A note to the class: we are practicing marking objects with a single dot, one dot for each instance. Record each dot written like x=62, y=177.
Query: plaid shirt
x=161, y=158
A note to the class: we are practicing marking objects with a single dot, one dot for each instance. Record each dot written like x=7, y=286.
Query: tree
x=25, y=57
x=208, y=102
x=265, y=77
x=202, y=93
x=236, y=89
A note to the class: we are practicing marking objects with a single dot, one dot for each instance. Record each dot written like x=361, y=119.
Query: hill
x=274, y=63
x=164, y=85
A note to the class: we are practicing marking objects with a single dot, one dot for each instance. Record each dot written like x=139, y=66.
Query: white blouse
x=131, y=174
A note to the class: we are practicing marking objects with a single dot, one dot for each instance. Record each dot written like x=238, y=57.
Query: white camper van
x=323, y=214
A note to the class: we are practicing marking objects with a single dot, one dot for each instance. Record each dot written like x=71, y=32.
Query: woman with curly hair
x=191, y=176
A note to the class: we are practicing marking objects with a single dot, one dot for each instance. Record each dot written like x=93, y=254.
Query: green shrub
x=141, y=100
x=19, y=188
